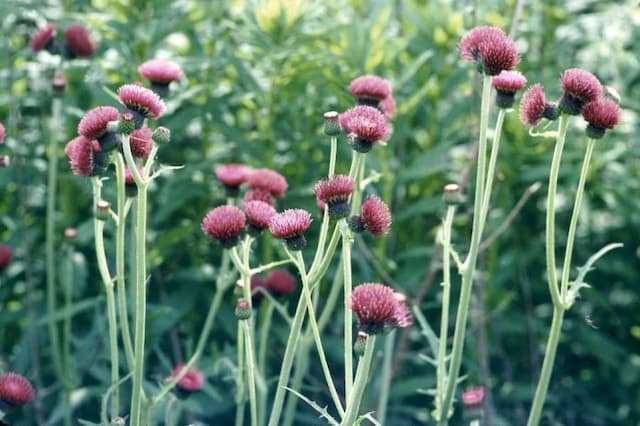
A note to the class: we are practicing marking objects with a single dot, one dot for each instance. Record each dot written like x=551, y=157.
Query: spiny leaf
x=322, y=410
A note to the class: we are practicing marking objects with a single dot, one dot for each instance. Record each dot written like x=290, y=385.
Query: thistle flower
x=15, y=389
x=43, y=38
x=258, y=214
x=490, y=49
x=268, y=180
x=335, y=193
x=364, y=126
x=280, y=282
x=507, y=83
x=5, y=256
x=1, y=133
x=225, y=224
x=80, y=151
x=290, y=225
x=580, y=87
x=374, y=217
x=473, y=396
x=534, y=106
x=232, y=176
x=600, y=115
x=160, y=72
x=369, y=89
x=192, y=381
x=378, y=309
x=78, y=42
x=243, y=309
x=143, y=103
x=259, y=195
x=141, y=142
x=94, y=126
x=388, y=107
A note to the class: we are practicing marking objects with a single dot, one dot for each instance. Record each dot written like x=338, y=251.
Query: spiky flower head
x=259, y=195
x=580, y=87
x=93, y=124
x=601, y=114
x=225, y=224
x=141, y=142
x=258, y=214
x=290, y=225
x=160, y=72
x=534, y=106
x=15, y=389
x=78, y=42
x=388, y=107
x=507, y=83
x=142, y=102
x=335, y=193
x=232, y=176
x=378, y=309
x=490, y=49
x=364, y=126
x=369, y=89
x=280, y=282
x=43, y=38
x=375, y=216
x=268, y=180
x=473, y=396
x=192, y=381
x=80, y=151
x=5, y=256
x=470, y=44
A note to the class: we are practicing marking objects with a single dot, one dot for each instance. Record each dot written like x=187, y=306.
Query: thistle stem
x=347, y=241
x=385, y=380
x=362, y=374
x=332, y=156
x=240, y=378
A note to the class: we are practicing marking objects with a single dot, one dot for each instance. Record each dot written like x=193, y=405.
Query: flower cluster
x=78, y=42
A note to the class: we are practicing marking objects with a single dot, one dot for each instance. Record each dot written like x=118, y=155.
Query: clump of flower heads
x=378, y=308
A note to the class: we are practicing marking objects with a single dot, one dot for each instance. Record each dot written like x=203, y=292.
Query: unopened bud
x=127, y=123
x=103, y=210
x=5, y=161
x=58, y=84
x=361, y=343
x=161, y=135
x=243, y=309
x=453, y=194
x=331, y=124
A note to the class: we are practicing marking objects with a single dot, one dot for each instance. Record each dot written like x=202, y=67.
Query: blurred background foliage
x=259, y=75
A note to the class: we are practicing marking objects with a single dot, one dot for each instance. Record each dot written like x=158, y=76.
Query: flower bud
x=161, y=135
x=103, y=210
x=361, y=343
x=453, y=194
x=243, y=309
x=331, y=124
x=58, y=84
x=127, y=123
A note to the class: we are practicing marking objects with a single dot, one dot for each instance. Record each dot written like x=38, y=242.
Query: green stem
x=306, y=292
x=66, y=336
x=332, y=156
x=266, y=319
x=120, y=259
x=107, y=280
x=347, y=241
x=551, y=198
x=316, y=274
x=385, y=380
x=566, y=268
x=470, y=262
x=253, y=405
x=444, y=317
x=240, y=378
x=55, y=129
x=362, y=374
x=547, y=367
x=495, y=147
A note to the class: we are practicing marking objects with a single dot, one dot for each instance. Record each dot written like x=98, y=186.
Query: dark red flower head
x=290, y=225
x=378, y=309
x=335, y=193
x=141, y=142
x=232, y=175
x=5, y=256
x=473, y=396
x=81, y=155
x=15, y=389
x=78, y=41
x=375, y=216
x=388, y=107
x=94, y=123
x=259, y=214
x=601, y=115
x=490, y=48
x=160, y=71
x=268, y=180
x=143, y=102
x=470, y=43
x=580, y=87
x=259, y=195
x=369, y=89
x=225, y=224
x=43, y=38
x=507, y=83
x=280, y=282
x=534, y=106
x=364, y=126
x=192, y=381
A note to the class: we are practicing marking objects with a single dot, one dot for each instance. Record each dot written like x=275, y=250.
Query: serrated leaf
x=322, y=410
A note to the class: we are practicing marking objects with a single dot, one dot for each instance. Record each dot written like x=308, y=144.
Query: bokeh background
x=259, y=75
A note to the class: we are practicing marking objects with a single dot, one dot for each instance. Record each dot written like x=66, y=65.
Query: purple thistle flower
x=259, y=214
x=259, y=195
x=232, y=176
x=507, y=83
x=388, y=107
x=78, y=42
x=80, y=151
x=143, y=103
x=15, y=389
x=225, y=224
x=5, y=256
x=141, y=142
x=580, y=87
x=192, y=381
x=94, y=123
x=1, y=133
x=268, y=180
x=43, y=38
x=470, y=43
x=335, y=193
x=280, y=282
x=375, y=216
x=160, y=72
x=600, y=115
x=290, y=225
x=534, y=106
x=490, y=49
x=369, y=89
x=364, y=126
x=378, y=309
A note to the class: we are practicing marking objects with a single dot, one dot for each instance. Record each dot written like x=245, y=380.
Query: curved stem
x=353, y=406
x=547, y=367
x=316, y=274
x=551, y=199
x=493, y=159
x=566, y=268
x=347, y=242
x=470, y=262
